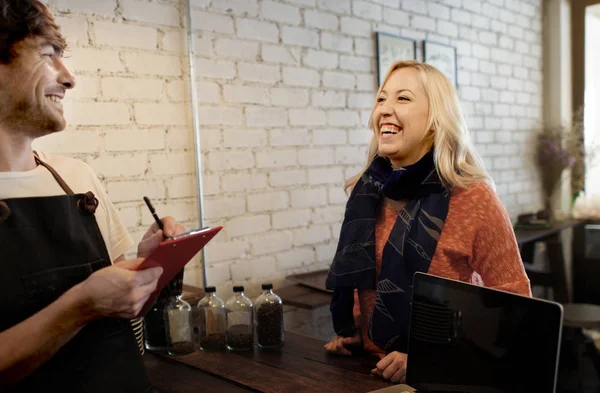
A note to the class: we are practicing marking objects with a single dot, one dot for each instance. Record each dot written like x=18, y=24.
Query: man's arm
x=115, y=291
x=29, y=344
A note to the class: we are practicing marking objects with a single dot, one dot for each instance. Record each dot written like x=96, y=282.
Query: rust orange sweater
x=477, y=245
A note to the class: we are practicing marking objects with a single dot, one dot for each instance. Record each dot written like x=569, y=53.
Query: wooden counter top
x=301, y=365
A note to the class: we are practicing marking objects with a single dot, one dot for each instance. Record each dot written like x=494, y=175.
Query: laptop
x=467, y=338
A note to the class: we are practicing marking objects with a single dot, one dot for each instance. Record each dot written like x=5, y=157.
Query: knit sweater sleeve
x=495, y=254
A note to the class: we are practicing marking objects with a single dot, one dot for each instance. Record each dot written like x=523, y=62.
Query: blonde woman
x=423, y=203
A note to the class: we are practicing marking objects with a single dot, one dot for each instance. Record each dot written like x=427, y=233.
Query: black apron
x=48, y=245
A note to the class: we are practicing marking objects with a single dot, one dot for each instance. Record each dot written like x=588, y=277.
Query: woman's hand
x=392, y=367
x=339, y=345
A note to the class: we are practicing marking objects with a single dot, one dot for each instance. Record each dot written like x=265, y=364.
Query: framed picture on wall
x=391, y=48
x=442, y=57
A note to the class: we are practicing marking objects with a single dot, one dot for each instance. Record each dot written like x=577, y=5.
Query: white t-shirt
x=81, y=178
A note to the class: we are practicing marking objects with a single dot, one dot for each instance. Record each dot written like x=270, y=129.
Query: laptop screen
x=462, y=335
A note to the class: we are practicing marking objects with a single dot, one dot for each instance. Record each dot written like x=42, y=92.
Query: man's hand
x=392, y=367
x=119, y=290
x=339, y=345
x=154, y=235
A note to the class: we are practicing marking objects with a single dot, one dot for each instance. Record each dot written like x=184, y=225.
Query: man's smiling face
x=32, y=86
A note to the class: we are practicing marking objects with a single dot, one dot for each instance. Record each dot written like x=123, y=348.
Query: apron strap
x=87, y=204
x=58, y=178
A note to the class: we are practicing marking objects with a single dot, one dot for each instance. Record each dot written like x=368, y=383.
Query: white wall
x=285, y=92
x=129, y=116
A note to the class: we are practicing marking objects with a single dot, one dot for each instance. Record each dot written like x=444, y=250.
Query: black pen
x=158, y=221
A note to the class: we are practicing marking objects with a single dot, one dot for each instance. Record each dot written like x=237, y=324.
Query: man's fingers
x=171, y=227
x=143, y=292
x=179, y=229
x=148, y=276
x=129, y=264
x=140, y=277
x=140, y=303
x=141, y=296
x=159, y=234
x=152, y=241
x=148, y=304
x=152, y=229
x=137, y=306
x=149, y=243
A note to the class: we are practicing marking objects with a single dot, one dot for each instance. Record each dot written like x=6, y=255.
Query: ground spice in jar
x=239, y=338
x=213, y=342
x=269, y=327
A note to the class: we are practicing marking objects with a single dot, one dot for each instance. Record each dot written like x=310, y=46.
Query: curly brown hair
x=20, y=19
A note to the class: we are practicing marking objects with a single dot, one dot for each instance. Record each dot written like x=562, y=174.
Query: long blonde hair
x=456, y=162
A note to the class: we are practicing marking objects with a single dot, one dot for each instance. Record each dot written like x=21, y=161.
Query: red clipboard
x=174, y=253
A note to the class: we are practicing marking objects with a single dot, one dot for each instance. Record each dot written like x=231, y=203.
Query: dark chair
x=579, y=364
x=553, y=277
x=578, y=350
x=586, y=264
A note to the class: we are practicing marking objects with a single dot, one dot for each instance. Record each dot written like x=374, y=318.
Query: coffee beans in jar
x=238, y=338
x=269, y=318
x=213, y=342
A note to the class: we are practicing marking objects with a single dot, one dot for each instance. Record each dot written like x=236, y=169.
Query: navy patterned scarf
x=409, y=248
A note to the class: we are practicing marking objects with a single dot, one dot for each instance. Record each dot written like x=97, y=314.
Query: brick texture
x=285, y=91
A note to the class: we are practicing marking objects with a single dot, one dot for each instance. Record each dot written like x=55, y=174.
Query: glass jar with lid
x=211, y=323
x=269, y=318
x=240, y=321
x=155, y=337
x=178, y=320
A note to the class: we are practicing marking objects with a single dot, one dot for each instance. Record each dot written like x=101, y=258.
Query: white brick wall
x=125, y=117
x=126, y=35
x=253, y=29
x=285, y=90
x=152, y=13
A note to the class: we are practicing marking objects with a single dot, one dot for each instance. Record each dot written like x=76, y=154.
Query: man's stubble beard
x=34, y=121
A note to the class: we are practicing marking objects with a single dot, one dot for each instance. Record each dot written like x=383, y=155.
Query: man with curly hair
x=66, y=291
